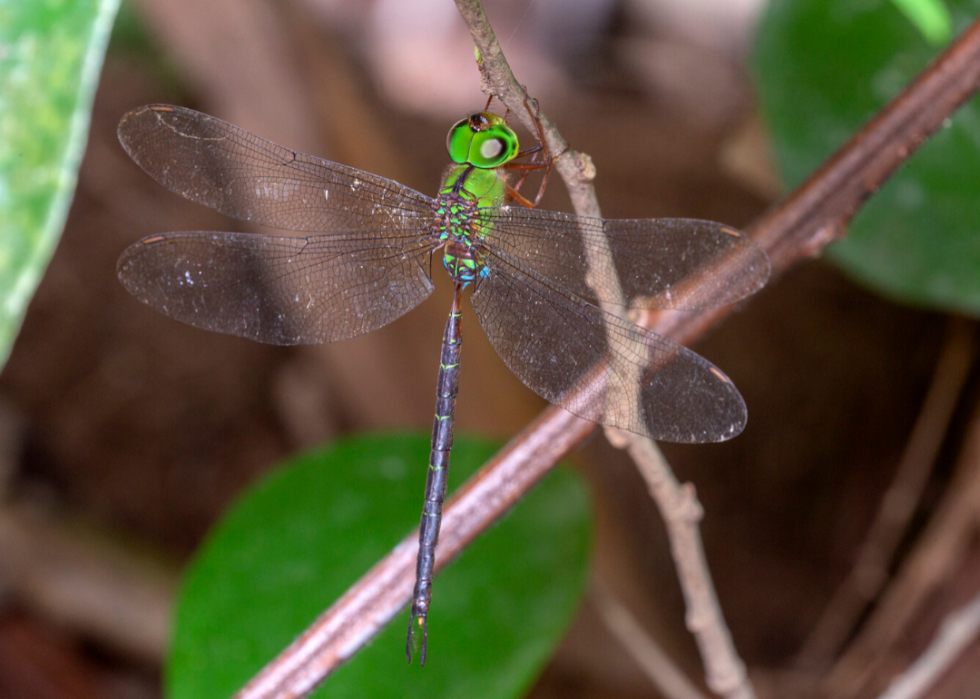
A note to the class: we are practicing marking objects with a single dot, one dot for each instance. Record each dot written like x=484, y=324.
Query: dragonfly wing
x=211, y=162
x=600, y=367
x=657, y=263
x=278, y=289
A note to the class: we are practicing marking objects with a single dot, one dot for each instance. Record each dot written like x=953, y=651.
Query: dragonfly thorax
x=457, y=224
x=466, y=195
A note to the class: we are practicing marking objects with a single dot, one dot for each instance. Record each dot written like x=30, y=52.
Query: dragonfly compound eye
x=483, y=140
x=458, y=141
x=493, y=147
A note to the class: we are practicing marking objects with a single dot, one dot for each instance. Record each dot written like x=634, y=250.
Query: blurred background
x=124, y=435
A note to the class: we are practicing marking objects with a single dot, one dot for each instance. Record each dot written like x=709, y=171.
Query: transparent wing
x=277, y=289
x=602, y=368
x=246, y=177
x=660, y=263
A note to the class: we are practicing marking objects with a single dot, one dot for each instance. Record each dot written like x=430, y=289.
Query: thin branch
x=83, y=579
x=870, y=571
x=938, y=552
x=724, y=669
x=678, y=503
x=576, y=169
x=798, y=228
x=384, y=590
x=647, y=653
x=959, y=629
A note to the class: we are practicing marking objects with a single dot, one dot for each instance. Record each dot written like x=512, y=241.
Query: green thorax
x=479, y=145
x=484, y=188
x=464, y=207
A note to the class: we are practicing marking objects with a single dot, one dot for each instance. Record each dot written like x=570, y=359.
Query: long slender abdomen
x=435, y=483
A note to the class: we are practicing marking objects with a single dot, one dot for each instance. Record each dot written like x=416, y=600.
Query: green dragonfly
x=536, y=288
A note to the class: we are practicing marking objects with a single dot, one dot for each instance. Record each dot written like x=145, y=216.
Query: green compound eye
x=483, y=140
x=458, y=141
x=493, y=147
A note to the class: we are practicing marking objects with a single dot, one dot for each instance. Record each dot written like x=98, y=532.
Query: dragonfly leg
x=517, y=197
x=548, y=160
x=544, y=180
x=436, y=481
x=530, y=151
x=525, y=168
x=545, y=163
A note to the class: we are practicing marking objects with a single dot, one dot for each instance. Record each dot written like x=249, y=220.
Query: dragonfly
x=540, y=279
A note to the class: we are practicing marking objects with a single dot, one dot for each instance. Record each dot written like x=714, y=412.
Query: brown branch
x=645, y=651
x=576, y=168
x=678, y=505
x=812, y=216
x=958, y=630
x=385, y=589
x=818, y=211
x=870, y=571
x=85, y=580
x=938, y=552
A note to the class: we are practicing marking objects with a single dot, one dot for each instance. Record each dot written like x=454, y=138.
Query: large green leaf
x=51, y=54
x=824, y=68
x=301, y=536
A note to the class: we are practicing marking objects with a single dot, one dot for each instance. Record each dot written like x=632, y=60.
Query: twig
x=665, y=675
x=959, y=629
x=385, y=589
x=678, y=503
x=84, y=580
x=870, y=571
x=576, y=169
x=724, y=669
x=938, y=552
x=794, y=230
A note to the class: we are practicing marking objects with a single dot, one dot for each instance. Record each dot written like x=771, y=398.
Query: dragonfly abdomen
x=462, y=260
x=437, y=478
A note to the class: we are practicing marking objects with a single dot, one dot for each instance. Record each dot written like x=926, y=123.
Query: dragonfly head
x=483, y=140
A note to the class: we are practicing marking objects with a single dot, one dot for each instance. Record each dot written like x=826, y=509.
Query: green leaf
x=930, y=17
x=51, y=54
x=824, y=68
x=300, y=537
